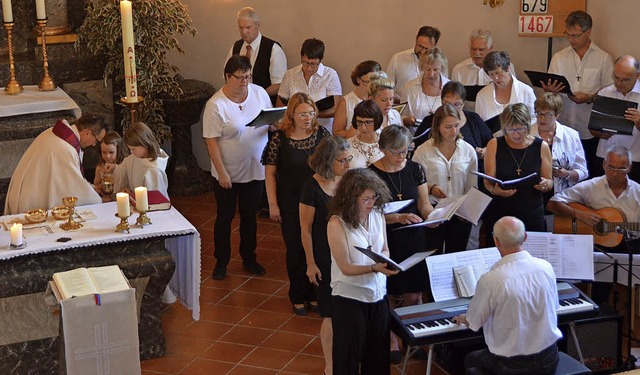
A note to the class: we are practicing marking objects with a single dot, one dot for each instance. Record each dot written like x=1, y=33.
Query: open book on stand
x=85, y=281
x=403, y=266
x=467, y=278
x=469, y=207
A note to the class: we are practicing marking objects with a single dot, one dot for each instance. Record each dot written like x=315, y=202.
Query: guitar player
x=613, y=190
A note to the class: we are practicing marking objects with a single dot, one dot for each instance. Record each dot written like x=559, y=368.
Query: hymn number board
x=545, y=18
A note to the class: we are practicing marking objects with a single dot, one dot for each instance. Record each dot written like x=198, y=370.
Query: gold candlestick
x=47, y=83
x=13, y=87
x=123, y=226
x=133, y=107
x=143, y=219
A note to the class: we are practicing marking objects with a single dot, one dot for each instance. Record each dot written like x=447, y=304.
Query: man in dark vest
x=266, y=55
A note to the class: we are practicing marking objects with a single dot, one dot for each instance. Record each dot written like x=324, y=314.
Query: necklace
x=398, y=190
x=518, y=170
x=581, y=64
x=240, y=106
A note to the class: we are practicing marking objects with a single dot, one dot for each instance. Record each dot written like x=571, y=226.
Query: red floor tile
x=268, y=358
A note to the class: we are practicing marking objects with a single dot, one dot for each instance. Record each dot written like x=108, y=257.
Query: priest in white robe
x=51, y=168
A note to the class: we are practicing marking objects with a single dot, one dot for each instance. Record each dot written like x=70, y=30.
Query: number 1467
x=535, y=24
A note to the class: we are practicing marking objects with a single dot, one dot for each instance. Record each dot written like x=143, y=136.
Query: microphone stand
x=631, y=360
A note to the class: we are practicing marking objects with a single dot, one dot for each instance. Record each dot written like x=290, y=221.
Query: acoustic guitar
x=604, y=232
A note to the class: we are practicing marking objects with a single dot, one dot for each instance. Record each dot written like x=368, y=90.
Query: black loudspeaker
x=599, y=339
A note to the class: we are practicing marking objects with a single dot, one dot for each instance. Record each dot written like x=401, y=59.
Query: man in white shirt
x=404, y=65
x=626, y=87
x=515, y=305
x=268, y=60
x=469, y=72
x=587, y=69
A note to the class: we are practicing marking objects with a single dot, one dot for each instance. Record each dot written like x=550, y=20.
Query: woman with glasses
x=330, y=161
x=367, y=119
x=234, y=150
x=504, y=88
x=360, y=309
x=286, y=170
x=569, y=164
x=381, y=90
x=313, y=78
x=406, y=180
x=515, y=155
x=361, y=78
x=423, y=94
x=448, y=162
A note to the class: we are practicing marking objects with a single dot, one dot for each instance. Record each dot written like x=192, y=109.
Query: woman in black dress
x=514, y=155
x=285, y=158
x=406, y=180
x=331, y=162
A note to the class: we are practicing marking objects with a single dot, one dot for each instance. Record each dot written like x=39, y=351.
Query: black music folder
x=472, y=92
x=537, y=77
x=267, y=116
x=493, y=124
x=607, y=115
x=322, y=104
x=526, y=181
x=403, y=266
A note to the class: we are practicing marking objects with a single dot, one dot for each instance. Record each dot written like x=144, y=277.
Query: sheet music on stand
x=441, y=278
x=603, y=267
x=570, y=255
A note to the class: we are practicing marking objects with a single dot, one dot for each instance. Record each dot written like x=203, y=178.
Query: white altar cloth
x=32, y=100
x=184, y=243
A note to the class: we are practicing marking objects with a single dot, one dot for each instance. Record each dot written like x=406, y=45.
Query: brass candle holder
x=133, y=107
x=13, y=87
x=143, y=219
x=123, y=226
x=70, y=204
x=47, y=83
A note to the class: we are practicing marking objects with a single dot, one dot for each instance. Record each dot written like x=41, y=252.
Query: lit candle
x=131, y=83
x=142, y=200
x=7, y=13
x=41, y=13
x=16, y=234
x=123, y=205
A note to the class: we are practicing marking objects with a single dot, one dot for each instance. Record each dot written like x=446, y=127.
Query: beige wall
x=356, y=30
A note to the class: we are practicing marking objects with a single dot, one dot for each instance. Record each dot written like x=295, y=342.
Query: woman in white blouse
x=504, y=89
x=361, y=78
x=367, y=119
x=448, y=162
x=423, y=94
x=381, y=90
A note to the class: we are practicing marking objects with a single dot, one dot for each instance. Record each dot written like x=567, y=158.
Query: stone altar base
x=30, y=337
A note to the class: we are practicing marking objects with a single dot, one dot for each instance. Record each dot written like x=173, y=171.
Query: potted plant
x=156, y=24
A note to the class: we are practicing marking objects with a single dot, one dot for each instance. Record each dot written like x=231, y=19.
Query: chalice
x=107, y=183
x=70, y=204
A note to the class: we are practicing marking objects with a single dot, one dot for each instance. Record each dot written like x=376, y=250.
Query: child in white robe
x=112, y=151
x=146, y=164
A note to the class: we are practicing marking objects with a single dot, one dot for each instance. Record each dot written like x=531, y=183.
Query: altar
x=30, y=328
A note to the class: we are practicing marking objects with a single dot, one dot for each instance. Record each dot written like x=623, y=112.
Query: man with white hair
x=469, y=72
x=515, y=305
x=268, y=60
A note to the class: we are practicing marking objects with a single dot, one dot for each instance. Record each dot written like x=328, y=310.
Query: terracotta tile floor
x=246, y=324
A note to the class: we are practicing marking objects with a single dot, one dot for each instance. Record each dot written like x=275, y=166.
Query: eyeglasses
x=244, y=78
x=620, y=170
x=365, y=81
x=457, y=105
x=366, y=123
x=368, y=200
x=399, y=152
x=346, y=160
x=574, y=36
x=548, y=115
x=622, y=80
x=308, y=64
x=306, y=114
x=515, y=130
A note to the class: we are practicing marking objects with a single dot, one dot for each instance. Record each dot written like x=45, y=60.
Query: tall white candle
x=128, y=49
x=16, y=234
x=41, y=12
x=123, y=204
x=142, y=199
x=7, y=13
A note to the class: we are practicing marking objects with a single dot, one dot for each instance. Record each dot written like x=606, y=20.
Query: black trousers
x=594, y=163
x=244, y=195
x=485, y=362
x=360, y=337
x=452, y=236
x=300, y=289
